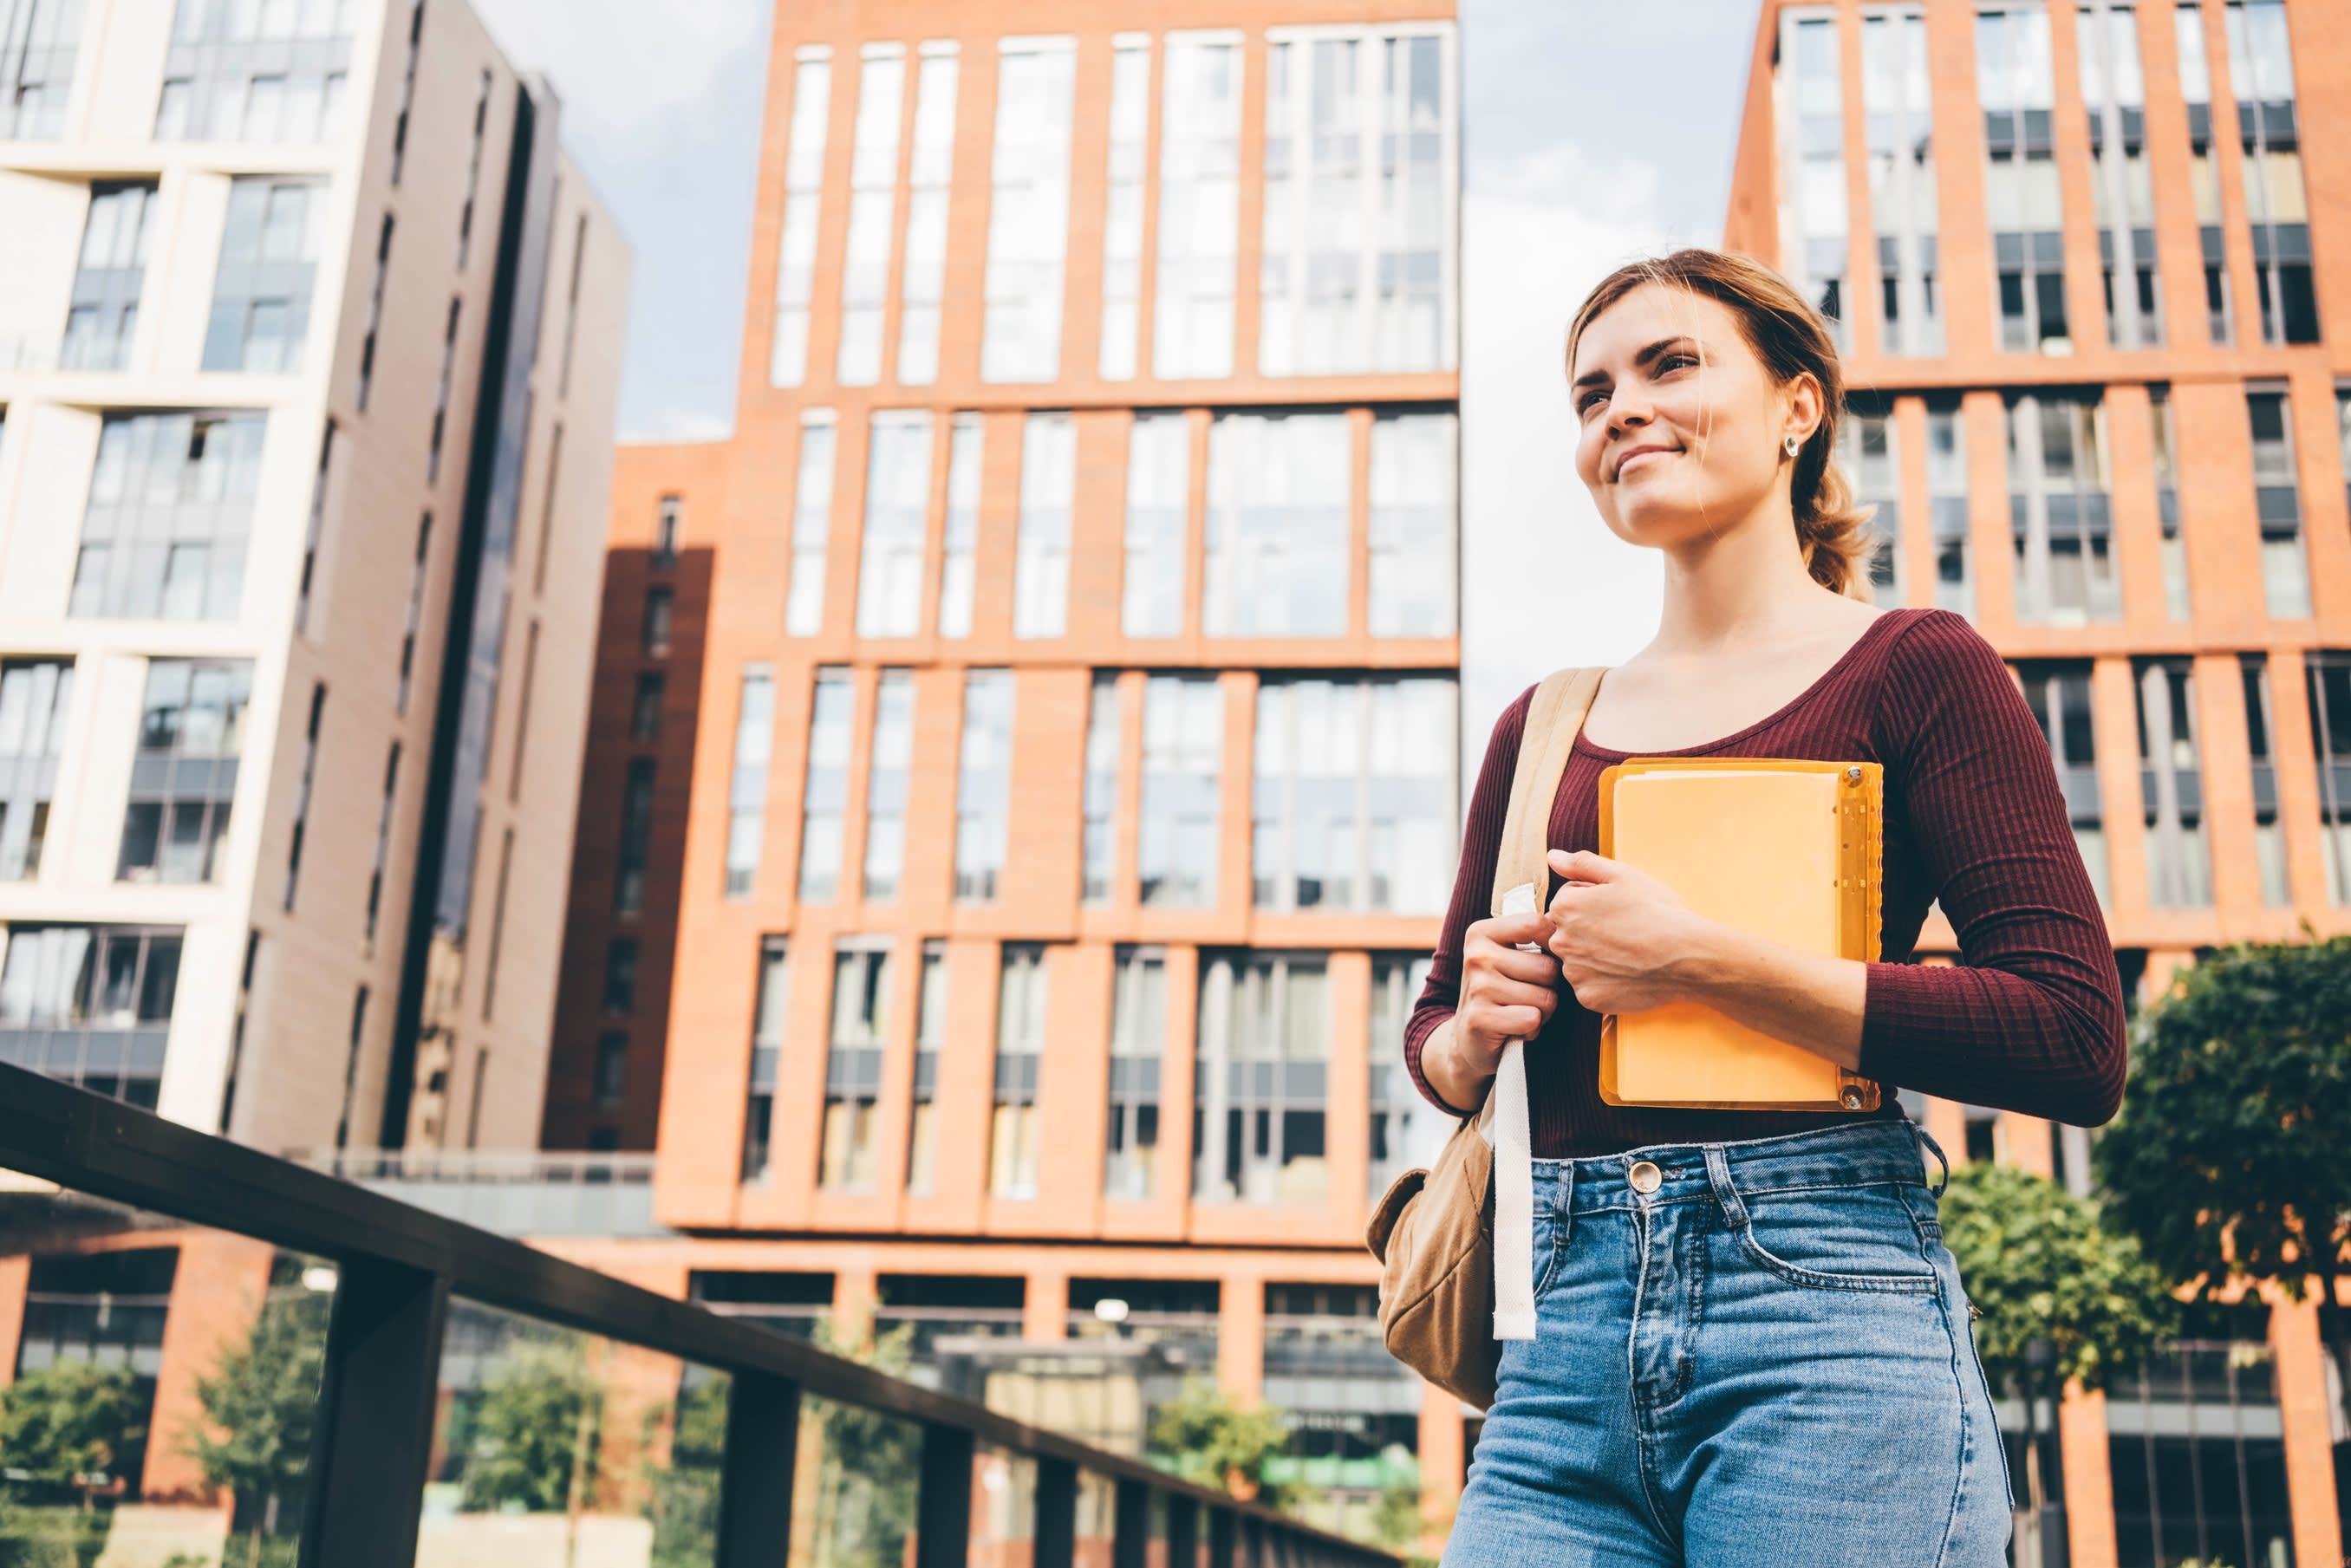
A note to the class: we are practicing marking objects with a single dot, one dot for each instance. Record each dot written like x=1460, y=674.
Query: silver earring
x=1792, y=444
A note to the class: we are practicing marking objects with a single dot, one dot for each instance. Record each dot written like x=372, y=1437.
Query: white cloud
x=679, y=425
x=635, y=79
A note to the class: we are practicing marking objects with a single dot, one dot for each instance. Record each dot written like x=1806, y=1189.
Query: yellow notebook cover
x=1786, y=849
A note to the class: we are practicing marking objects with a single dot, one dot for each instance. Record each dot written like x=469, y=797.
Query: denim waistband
x=1848, y=1155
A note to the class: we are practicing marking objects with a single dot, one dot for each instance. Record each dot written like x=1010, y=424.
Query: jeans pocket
x=1551, y=1246
x=1846, y=1239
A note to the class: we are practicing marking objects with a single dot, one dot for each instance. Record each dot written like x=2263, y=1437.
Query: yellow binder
x=1788, y=849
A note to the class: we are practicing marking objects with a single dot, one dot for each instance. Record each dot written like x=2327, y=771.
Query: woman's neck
x=1741, y=586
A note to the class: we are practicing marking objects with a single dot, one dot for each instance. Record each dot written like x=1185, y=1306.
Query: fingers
x=1531, y=968
x=1512, y=1023
x=1583, y=866
x=1510, y=930
x=1501, y=993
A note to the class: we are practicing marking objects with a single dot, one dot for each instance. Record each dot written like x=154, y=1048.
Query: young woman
x=1754, y=1347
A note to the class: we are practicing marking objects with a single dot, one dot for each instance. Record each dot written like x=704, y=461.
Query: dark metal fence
x=398, y=1269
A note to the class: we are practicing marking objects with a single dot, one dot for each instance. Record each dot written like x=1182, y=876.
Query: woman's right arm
x=1481, y=990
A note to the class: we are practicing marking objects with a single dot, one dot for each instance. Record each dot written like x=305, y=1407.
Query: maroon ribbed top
x=2029, y=1020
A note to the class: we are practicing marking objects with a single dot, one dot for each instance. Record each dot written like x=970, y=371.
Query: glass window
x=930, y=1033
x=885, y=786
x=621, y=975
x=1260, y=1086
x=645, y=707
x=383, y=842
x=984, y=785
x=746, y=792
x=1020, y=1045
x=226, y=78
x=91, y=1005
x=1396, y=982
x=2059, y=697
x=811, y=108
x=1102, y=742
x=2014, y=82
x=1158, y=492
x=183, y=776
x=1028, y=211
x=1349, y=1402
x=811, y=526
x=1130, y=128
x=1354, y=796
x=2261, y=72
x=2178, y=858
x=2059, y=510
x=1413, y=549
x=34, y=696
x=1897, y=99
x=2329, y=692
x=668, y=518
x=769, y=1016
x=1199, y=206
x=1362, y=210
x=636, y=836
x=931, y=174
x=1946, y=500
x=872, y=213
x=661, y=609
x=853, y=1074
x=269, y=256
x=958, y=571
x=1813, y=206
x=611, y=1073
x=1866, y=447
x=2277, y=497
x=1183, y=771
x=1049, y=476
x=2196, y=1449
x=171, y=505
x=1277, y=526
x=897, y=517
x=43, y=39
x=2113, y=90
x=1138, y=1040
x=441, y=397
x=2167, y=497
x=104, y=308
x=827, y=795
x=2269, y=840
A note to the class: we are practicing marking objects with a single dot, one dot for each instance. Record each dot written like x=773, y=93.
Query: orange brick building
x=2092, y=269
x=1050, y=788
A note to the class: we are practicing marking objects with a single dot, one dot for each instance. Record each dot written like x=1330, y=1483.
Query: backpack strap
x=1521, y=875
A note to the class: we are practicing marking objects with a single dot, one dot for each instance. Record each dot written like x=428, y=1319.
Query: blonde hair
x=1788, y=336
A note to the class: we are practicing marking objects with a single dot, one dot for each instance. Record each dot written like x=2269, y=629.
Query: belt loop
x=1718, y=1174
x=1927, y=1138
x=1566, y=1222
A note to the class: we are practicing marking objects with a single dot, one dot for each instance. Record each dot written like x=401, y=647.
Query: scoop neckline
x=1861, y=644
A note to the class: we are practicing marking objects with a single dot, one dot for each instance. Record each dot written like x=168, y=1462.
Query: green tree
x=262, y=1398
x=72, y=1423
x=1204, y=1438
x=2062, y=1296
x=681, y=1492
x=868, y=1475
x=2229, y=1162
x=533, y=1442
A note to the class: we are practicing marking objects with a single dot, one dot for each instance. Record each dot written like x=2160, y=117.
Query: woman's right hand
x=1505, y=995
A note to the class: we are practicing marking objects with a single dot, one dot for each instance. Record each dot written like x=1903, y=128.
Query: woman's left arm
x=2031, y=1018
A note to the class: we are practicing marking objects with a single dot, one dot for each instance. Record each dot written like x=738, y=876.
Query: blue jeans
x=1764, y=1362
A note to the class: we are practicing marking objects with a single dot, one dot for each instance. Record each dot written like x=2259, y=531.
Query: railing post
x=372, y=1442
x=943, y=1513
x=1183, y=1532
x=754, y=1485
x=1054, y=1540
x=1131, y=1532
x=1221, y=1535
x=1253, y=1543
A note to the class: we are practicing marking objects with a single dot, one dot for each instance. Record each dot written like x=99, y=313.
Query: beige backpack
x=1456, y=1243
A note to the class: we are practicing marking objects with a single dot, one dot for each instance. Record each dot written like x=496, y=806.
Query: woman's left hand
x=1625, y=941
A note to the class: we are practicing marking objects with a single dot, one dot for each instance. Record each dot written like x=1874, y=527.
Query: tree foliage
x=532, y=1445
x=1204, y=1438
x=682, y=1491
x=2039, y=1265
x=262, y=1399
x=2229, y=1159
x=71, y=1423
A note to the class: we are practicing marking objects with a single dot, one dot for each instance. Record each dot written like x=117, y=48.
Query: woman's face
x=1680, y=423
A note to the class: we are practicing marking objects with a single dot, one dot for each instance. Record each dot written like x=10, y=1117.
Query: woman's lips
x=1646, y=457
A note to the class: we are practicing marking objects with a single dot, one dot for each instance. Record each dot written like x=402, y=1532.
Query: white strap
x=1503, y=1123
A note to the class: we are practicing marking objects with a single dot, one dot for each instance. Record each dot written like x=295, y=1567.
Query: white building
x=309, y=339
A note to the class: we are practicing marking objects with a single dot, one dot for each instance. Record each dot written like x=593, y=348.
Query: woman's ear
x=1806, y=404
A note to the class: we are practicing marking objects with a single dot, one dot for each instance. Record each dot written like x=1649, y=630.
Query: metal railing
x=398, y=1269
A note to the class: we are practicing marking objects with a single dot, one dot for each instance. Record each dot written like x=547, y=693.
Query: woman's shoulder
x=1936, y=645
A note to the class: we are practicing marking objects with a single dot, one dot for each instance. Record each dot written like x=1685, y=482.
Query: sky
x=1596, y=130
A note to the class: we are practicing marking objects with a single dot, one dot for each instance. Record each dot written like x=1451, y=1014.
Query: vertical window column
x=1183, y=795
x=2023, y=206
x=872, y=213
x=2114, y=94
x=2060, y=511
x=104, y=310
x=1020, y=1045
x=1199, y=206
x=2269, y=841
x=34, y=699
x=2277, y=497
x=1049, y=477
x=1867, y=444
x=982, y=785
x=826, y=798
x=1138, y=1036
x=2204, y=174
x=2175, y=597
x=170, y=504
x=1413, y=524
x=1813, y=203
x=930, y=178
x=811, y=526
x=1396, y=982
x=1158, y=493
x=803, y=186
x=2329, y=692
x=183, y=776
x=930, y=1034
x=897, y=518
x=2277, y=203
x=1947, y=499
x=1898, y=98
x=886, y=785
x=768, y=1017
x=2059, y=697
x=1277, y=527
x=2178, y=858
x=268, y=259
x=959, y=568
x=1028, y=210
x=1262, y=1086
x=747, y=789
x=636, y=837
x=853, y=1073
x=382, y=838
x=1130, y=131
x=1100, y=843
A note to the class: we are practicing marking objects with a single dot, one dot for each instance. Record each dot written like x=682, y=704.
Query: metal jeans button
x=1645, y=1177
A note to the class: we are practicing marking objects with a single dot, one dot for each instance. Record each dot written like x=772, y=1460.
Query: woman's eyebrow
x=1646, y=356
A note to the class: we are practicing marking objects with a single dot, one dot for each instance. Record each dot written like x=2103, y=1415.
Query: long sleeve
x=2031, y=1018
x=1473, y=884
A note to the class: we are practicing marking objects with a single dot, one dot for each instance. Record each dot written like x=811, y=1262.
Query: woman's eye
x=1589, y=402
x=1676, y=362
